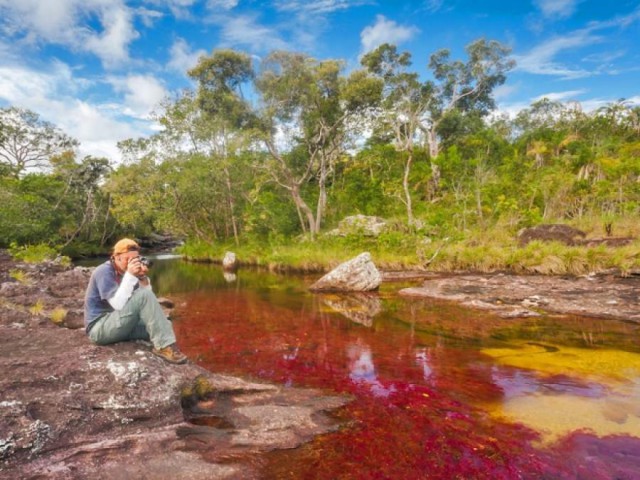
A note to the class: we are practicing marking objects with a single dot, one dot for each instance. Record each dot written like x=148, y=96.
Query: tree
x=303, y=108
x=27, y=143
x=411, y=108
x=85, y=205
x=405, y=103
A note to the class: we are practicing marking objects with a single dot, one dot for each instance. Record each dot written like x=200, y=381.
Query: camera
x=145, y=261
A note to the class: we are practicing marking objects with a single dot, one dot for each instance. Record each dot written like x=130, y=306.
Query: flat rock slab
x=522, y=296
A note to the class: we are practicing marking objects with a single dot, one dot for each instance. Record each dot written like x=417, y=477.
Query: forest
x=267, y=158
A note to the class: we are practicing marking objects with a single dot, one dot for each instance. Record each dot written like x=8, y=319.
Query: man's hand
x=135, y=268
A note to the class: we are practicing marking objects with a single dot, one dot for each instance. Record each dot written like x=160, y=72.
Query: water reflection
x=229, y=277
x=358, y=307
x=481, y=396
x=362, y=371
x=423, y=360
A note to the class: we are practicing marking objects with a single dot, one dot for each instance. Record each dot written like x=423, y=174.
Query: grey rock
x=229, y=262
x=368, y=226
x=356, y=275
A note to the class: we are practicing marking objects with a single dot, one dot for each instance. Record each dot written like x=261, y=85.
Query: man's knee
x=145, y=294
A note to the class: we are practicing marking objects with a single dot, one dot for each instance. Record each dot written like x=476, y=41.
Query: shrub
x=37, y=309
x=58, y=315
x=33, y=253
x=19, y=276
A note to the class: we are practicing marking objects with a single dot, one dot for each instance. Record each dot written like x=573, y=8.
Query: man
x=120, y=305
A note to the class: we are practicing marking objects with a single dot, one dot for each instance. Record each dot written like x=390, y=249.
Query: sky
x=99, y=68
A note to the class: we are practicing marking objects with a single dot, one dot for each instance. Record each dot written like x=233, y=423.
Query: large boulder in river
x=356, y=275
x=550, y=233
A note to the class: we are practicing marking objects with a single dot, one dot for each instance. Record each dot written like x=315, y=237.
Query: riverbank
x=70, y=409
x=483, y=253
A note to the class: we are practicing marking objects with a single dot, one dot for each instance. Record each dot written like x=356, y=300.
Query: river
x=439, y=391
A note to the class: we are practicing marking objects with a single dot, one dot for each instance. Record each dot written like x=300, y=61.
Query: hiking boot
x=171, y=354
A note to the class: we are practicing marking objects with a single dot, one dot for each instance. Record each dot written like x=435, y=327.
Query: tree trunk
x=322, y=196
x=301, y=204
x=405, y=186
x=234, y=224
x=433, y=142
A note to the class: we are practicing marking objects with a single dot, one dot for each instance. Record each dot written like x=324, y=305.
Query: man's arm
x=124, y=291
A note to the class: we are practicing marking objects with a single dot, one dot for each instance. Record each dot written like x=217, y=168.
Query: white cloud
x=244, y=30
x=54, y=95
x=540, y=60
x=66, y=22
x=113, y=43
x=318, y=6
x=180, y=9
x=433, y=5
x=604, y=57
x=557, y=8
x=182, y=57
x=385, y=31
x=142, y=94
x=504, y=91
x=222, y=4
x=560, y=96
x=148, y=16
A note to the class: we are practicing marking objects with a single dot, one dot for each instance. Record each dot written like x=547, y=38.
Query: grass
x=483, y=251
x=19, y=275
x=58, y=315
x=37, y=309
x=32, y=253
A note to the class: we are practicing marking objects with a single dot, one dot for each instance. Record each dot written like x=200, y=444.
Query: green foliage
x=270, y=173
x=58, y=315
x=19, y=276
x=33, y=253
x=37, y=308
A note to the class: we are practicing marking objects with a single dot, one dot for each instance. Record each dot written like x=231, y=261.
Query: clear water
x=439, y=391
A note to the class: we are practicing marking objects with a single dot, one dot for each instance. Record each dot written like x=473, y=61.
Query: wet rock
x=356, y=275
x=550, y=233
x=229, y=262
x=521, y=296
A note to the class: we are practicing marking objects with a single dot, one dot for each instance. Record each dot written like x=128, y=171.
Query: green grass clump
x=58, y=315
x=32, y=253
x=19, y=276
x=37, y=308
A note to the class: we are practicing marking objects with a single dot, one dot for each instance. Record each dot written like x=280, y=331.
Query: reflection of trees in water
x=455, y=323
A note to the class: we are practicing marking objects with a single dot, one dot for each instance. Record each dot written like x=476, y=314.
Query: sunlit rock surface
x=522, y=296
x=356, y=275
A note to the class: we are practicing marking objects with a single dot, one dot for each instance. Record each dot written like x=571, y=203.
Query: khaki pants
x=141, y=318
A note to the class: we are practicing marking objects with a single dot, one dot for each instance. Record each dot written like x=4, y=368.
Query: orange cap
x=125, y=245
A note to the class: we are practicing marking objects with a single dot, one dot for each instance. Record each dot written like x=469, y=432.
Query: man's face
x=123, y=259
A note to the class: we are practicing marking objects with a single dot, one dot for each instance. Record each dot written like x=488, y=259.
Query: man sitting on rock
x=120, y=305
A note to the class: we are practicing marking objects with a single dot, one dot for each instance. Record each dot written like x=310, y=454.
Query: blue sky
x=98, y=68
